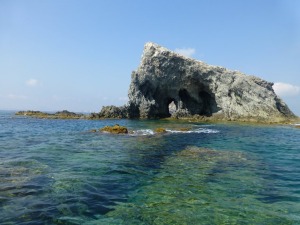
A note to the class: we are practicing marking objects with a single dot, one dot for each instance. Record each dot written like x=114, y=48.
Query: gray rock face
x=111, y=112
x=167, y=83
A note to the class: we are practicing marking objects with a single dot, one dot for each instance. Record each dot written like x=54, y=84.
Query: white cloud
x=286, y=90
x=32, y=82
x=188, y=52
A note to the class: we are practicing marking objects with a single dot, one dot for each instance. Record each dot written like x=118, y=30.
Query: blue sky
x=79, y=55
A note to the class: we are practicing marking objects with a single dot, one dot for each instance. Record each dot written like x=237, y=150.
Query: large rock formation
x=168, y=84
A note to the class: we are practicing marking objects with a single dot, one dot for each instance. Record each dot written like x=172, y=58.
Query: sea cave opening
x=198, y=102
x=172, y=108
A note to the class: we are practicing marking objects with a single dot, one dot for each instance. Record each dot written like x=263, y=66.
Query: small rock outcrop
x=168, y=84
x=113, y=112
x=116, y=129
x=58, y=115
x=160, y=130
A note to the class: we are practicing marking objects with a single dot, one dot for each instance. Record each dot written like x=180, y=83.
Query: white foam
x=206, y=131
x=143, y=132
x=197, y=131
x=149, y=132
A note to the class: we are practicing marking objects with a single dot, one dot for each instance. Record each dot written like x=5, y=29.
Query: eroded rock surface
x=111, y=112
x=167, y=83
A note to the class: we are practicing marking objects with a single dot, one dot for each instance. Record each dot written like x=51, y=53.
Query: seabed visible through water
x=56, y=172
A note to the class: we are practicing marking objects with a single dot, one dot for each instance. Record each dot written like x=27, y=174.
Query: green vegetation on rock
x=116, y=129
x=160, y=130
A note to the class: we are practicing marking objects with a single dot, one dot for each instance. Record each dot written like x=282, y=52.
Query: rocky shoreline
x=114, y=112
x=115, y=115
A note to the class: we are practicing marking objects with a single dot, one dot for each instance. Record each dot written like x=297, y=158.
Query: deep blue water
x=57, y=172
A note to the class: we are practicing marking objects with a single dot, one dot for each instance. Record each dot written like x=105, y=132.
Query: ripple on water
x=54, y=172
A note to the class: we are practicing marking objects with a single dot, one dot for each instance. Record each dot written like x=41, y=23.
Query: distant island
x=58, y=115
x=169, y=85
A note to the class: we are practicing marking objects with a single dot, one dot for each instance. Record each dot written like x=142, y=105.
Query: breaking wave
x=148, y=132
x=197, y=131
x=143, y=132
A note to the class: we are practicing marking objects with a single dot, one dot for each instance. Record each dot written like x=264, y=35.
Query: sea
x=56, y=171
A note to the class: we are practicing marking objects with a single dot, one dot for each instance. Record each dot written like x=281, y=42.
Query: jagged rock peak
x=152, y=48
x=193, y=87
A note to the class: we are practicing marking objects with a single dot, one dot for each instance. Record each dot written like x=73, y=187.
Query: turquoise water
x=56, y=172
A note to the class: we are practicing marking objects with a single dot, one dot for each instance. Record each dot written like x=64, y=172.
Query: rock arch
x=197, y=88
x=193, y=101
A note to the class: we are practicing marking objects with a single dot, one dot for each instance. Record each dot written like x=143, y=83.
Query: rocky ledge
x=167, y=84
x=58, y=115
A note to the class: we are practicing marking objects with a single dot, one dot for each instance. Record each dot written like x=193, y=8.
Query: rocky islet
x=167, y=84
x=58, y=115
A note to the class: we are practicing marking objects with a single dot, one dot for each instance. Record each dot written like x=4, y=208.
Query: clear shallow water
x=55, y=172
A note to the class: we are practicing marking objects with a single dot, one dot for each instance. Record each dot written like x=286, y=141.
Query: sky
x=79, y=55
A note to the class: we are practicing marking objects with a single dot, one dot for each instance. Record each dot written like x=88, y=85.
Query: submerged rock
x=93, y=131
x=202, y=185
x=116, y=129
x=168, y=84
x=184, y=129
